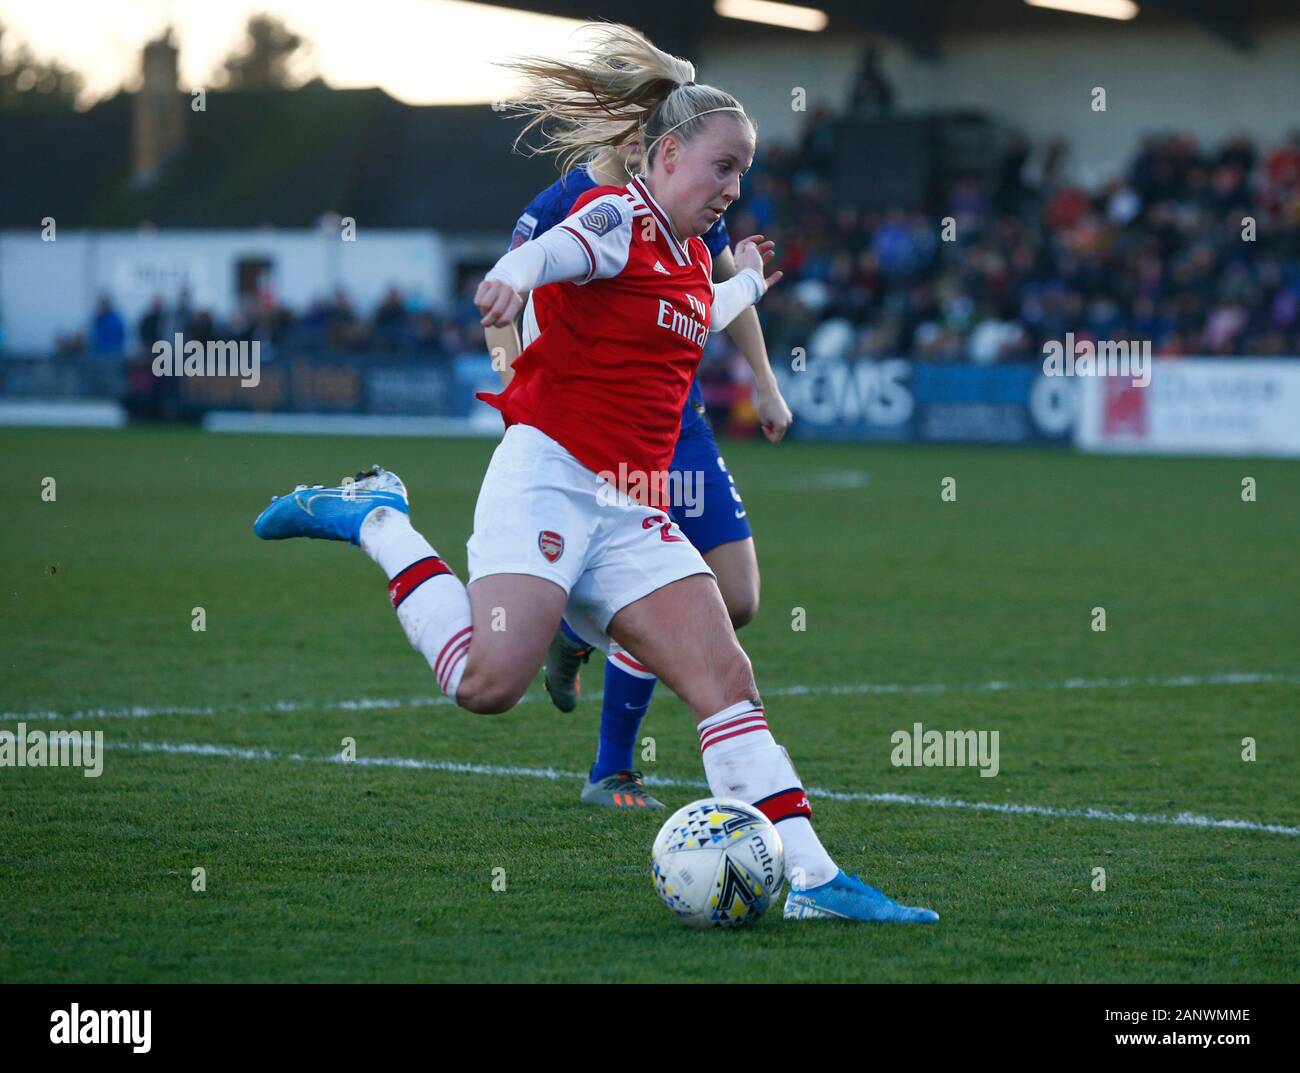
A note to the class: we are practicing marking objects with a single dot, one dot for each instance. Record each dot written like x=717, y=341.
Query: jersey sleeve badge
x=602, y=218
x=523, y=230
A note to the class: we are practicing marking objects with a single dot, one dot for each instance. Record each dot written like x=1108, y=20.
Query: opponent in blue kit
x=706, y=503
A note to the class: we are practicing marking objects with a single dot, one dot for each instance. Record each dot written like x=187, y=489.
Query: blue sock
x=568, y=632
x=627, y=696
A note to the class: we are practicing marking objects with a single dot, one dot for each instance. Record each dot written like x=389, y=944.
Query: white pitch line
x=1235, y=679
x=132, y=712
x=1183, y=819
x=144, y=712
x=848, y=689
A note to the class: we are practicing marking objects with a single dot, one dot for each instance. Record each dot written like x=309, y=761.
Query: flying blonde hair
x=619, y=91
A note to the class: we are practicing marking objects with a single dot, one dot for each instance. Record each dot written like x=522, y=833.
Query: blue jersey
x=555, y=203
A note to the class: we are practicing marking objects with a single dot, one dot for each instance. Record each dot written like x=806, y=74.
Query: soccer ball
x=717, y=863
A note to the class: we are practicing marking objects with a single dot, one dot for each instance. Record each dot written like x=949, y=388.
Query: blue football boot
x=848, y=898
x=332, y=513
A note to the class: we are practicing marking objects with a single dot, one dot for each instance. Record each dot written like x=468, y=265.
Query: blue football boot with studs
x=332, y=513
x=848, y=898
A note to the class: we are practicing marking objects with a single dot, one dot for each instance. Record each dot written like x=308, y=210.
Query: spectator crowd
x=398, y=324
x=1194, y=248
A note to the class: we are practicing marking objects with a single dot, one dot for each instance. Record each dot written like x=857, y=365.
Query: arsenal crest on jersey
x=551, y=545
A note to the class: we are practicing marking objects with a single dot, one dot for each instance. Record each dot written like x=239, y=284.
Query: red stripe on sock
x=740, y=715
x=733, y=731
x=623, y=657
x=730, y=724
x=753, y=709
x=415, y=575
x=785, y=805
x=457, y=638
x=461, y=653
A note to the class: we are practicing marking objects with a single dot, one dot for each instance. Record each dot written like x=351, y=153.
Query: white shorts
x=542, y=512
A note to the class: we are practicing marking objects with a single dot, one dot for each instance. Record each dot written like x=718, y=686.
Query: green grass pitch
x=319, y=871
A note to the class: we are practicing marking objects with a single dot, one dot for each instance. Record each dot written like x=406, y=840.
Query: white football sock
x=743, y=760
x=432, y=604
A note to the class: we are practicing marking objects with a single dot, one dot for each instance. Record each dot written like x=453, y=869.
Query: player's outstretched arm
x=755, y=252
x=552, y=258
x=499, y=303
x=747, y=286
x=504, y=347
x=773, y=414
x=589, y=244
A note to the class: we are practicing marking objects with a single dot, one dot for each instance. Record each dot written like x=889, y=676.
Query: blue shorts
x=706, y=504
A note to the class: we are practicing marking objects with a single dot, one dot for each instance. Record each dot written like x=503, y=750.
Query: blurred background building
x=952, y=184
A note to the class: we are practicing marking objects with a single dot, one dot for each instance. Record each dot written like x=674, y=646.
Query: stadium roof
x=679, y=25
x=287, y=158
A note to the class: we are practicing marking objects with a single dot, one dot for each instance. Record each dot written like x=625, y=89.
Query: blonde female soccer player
x=707, y=506
x=571, y=519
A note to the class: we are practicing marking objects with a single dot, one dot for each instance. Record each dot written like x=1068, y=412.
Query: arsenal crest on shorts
x=550, y=545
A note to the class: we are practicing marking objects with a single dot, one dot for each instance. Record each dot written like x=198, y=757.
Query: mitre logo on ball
x=550, y=544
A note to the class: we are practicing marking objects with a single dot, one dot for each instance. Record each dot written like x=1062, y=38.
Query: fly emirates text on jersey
x=687, y=327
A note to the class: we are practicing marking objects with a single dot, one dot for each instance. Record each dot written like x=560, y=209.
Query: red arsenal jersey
x=608, y=373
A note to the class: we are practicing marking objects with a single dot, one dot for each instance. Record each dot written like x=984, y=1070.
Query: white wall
x=50, y=288
x=44, y=288
x=1155, y=79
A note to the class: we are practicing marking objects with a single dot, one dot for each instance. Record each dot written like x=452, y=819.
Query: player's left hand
x=498, y=302
x=774, y=416
x=754, y=252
